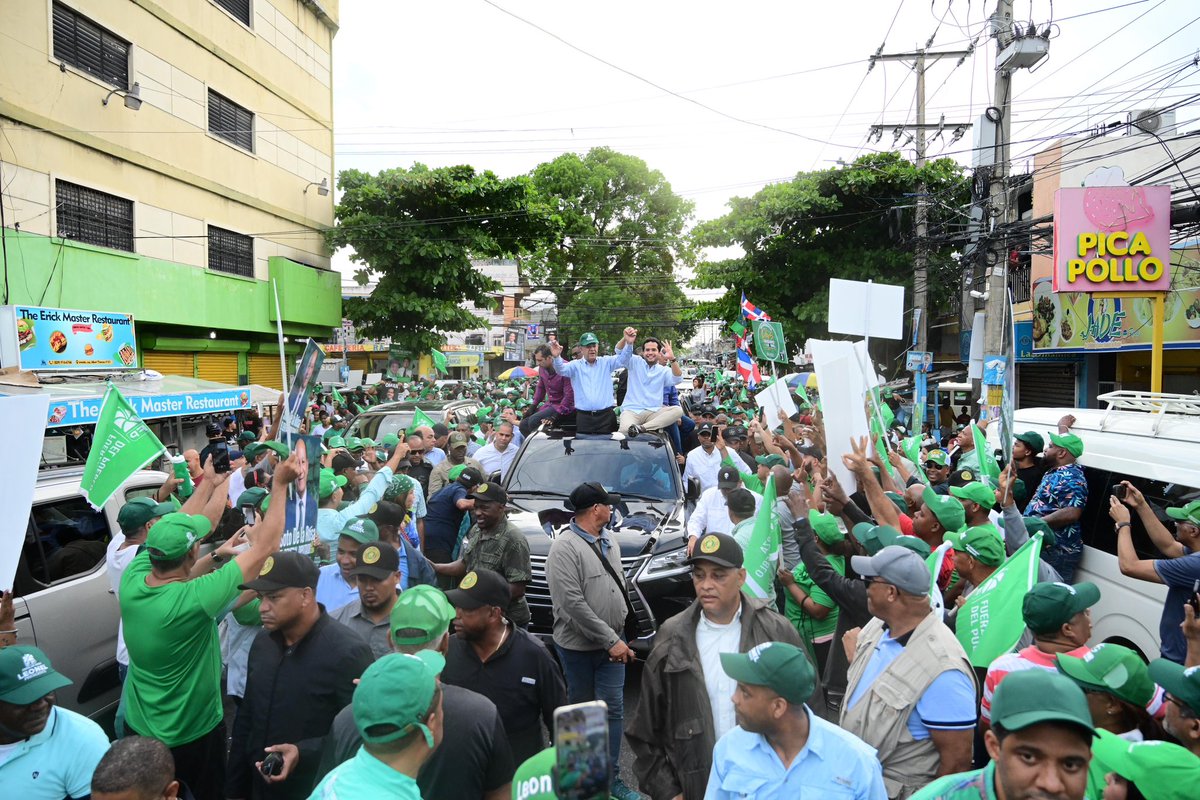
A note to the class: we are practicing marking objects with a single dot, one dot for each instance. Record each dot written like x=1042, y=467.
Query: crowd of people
x=392, y=657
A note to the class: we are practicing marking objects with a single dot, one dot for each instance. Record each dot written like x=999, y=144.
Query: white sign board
x=975, y=362
x=843, y=389
x=773, y=398
x=26, y=421
x=873, y=310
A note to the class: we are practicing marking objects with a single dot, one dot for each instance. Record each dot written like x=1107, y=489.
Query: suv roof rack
x=1158, y=403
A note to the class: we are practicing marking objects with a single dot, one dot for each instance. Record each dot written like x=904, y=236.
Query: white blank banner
x=25, y=422
x=873, y=310
x=843, y=388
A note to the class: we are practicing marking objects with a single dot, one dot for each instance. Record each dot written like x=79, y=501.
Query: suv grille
x=538, y=595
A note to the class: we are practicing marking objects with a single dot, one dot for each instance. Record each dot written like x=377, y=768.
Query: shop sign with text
x=1112, y=239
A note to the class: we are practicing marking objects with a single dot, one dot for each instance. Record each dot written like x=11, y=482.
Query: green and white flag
x=762, y=552
x=122, y=445
x=989, y=622
x=912, y=451
x=988, y=467
x=439, y=361
x=337, y=397
x=420, y=418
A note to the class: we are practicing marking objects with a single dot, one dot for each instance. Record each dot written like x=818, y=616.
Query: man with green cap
x=780, y=748
x=338, y=583
x=591, y=381
x=170, y=600
x=1040, y=744
x=1182, y=686
x=1179, y=570
x=135, y=519
x=808, y=607
x=1026, y=458
x=46, y=752
x=1149, y=770
x=1060, y=499
x=330, y=518
x=977, y=553
x=937, y=470
x=474, y=759
x=939, y=515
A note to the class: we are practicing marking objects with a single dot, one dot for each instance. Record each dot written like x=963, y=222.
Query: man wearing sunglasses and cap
x=591, y=381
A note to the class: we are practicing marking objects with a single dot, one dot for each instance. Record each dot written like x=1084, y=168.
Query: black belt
x=594, y=413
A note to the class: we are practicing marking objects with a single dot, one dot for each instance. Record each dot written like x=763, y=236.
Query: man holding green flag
x=758, y=535
x=988, y=625
x=122, y=445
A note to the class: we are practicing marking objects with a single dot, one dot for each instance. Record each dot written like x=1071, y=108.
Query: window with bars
x=230, y=252
x=93, y=217
x=240, y=9
x=230, y=121
x=84, y=45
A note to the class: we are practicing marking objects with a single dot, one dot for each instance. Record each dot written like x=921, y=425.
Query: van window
x=64, y=538
x=1098, y=525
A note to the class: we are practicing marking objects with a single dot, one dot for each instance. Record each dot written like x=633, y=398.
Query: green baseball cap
x=770, y=460
x=1112, y=669
x=781, y=667
x=251, y=497
x=383, y=714
x=874, y=538
x=938, y=457
x=948, y=510
x=1038, y=525
x=422, y=614
x=26, y=675
x=588, y=338
x=1034, y=696
x=1188, y=513
x=898, y=501
x=245, y=437
x=330, y=482
x=981, y=542
x=1069, y=442
x=390, y=440
x=1160, y=770
x=353, y=443
x=173, y=535
x=361, y=530
x=534, y=779
x=1033, y=440
x=825, y=526
x=1183, y=683
x=335, y=441
x=1049, y=605
x=976, y=492
x=140, y=510
x=367, y=441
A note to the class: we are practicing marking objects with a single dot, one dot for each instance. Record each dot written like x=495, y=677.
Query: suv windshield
x=637, y=467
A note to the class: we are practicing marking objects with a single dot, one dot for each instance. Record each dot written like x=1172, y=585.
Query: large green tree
x=620, y=241
x=416, y=231
x=854, y=222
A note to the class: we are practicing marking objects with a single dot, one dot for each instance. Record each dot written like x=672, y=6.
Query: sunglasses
x=871, y=579
x=416, y=452
x=934, y=465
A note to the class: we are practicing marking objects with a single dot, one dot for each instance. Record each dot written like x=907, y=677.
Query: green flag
x=987, y=464
x=762, y=551
x=421, y=418
x=738, y=329
x=439, y=361
x=989, y=621
x=122, y=445
x=912, y=451
x=337, y=397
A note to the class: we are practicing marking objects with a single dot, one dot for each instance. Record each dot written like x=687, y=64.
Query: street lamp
x=322, y=187
x=133, y=96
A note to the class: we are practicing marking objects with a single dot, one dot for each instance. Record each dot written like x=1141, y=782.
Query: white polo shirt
x=712, y=640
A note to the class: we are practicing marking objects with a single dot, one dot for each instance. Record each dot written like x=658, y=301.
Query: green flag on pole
x=912, y=451
x=421, y=418
x=337, y=397
x=989, y=621
x=439, y=361
x=987, y=464
x=738, y=329
x=122, y=445
x=762, y=551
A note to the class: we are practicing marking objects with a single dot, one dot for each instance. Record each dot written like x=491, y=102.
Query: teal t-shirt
x=809, y=627
x=365, y=777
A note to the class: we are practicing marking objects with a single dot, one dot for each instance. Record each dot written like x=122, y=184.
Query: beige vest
x=880, y=717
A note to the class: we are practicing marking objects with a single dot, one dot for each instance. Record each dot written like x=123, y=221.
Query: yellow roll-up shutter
x=219, y=367
x=168, y=363
x=264, y=370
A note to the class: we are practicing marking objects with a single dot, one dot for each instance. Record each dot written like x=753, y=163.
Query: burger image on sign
x=26, y=338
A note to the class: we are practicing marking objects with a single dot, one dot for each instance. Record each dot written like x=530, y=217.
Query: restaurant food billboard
x=67, y=340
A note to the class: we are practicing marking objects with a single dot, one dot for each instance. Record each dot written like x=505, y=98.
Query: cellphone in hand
x=272, y=765
x=582, y=768
x=1119, y=491
x=1194, y=601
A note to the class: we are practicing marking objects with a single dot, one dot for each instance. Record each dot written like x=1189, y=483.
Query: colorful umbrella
x=517, y=372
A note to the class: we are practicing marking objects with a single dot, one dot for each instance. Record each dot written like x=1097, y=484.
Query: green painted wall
x=65, y=274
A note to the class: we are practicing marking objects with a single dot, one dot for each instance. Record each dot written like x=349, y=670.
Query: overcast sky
x=461, y=81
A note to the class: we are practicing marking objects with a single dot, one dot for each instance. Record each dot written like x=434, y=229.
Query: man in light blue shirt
x=648, y=379
x=330, y=520
x=591, y=381
x=780, y=749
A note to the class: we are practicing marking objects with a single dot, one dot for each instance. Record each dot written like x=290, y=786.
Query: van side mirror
x=692, y=491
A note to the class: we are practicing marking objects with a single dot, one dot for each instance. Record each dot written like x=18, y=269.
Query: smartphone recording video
x=582, y=766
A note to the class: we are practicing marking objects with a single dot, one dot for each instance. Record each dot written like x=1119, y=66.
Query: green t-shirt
x=173, y=690
x=811, y=628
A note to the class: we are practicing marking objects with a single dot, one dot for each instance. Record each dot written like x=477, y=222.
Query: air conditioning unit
x=1149, y=120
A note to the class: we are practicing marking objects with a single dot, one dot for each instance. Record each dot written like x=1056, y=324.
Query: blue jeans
x=591, y=676
x=1065, y=556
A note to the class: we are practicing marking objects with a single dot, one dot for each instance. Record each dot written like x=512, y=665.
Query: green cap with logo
x=534, y=779
x=280, y=449
x=1112, y=669
x=173, y=535
x=1034, y=696
x=938, y=457
x=361, y=530
x=1069, y=442
x=825, y=526
x=781, y=667
x=1188, y=513
x=140, y=510
x=770, y=460
x=383, y=714
x=976, y=492
x=981, y=542
x=329, y=482
x=26, y=675
x=1049, y=605
x=1033, y=440
x=948, y=510
x=422, y=614
x=587, y=339
x=1160, y=770
x=336, y=441
x=1183, y=683
x=252, y=498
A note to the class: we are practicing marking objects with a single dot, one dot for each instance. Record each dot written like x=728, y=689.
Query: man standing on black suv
x=591, y=381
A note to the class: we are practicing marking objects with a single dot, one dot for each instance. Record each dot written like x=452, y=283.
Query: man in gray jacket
x=587, y=589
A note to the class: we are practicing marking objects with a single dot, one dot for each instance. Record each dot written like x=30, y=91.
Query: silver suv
x=63, y=602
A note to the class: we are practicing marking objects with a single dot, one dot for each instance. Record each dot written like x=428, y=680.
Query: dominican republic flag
x=747, y=369
x=752, y=312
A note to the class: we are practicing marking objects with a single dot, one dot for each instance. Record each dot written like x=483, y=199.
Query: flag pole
x=282, y=356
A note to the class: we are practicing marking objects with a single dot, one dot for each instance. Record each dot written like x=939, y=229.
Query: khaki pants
x=653, y=420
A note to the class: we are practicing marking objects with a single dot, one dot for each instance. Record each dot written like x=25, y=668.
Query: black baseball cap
x=728, y=478
x=704, y=427
x=961, y=477
x=586, y=495
x=470, y=477
x=489, y=493
x=735, y=432
x=741, y=501
x=212, y=429
x=346, y=461
x=387, y=513
x=285, y=569
x=376, y=560
x=719, y=548
x=479, y=588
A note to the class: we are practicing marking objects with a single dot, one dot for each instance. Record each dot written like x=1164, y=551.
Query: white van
x=1153, y=441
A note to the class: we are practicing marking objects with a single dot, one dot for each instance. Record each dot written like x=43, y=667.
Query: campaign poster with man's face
x=307, y=372
x=300, y=526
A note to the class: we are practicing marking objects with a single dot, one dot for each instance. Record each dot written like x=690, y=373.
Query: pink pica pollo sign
x=1112, y=239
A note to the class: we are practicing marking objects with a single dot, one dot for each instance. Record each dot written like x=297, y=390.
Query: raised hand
x=630, y=335
x=556, y=349
x=667, y=352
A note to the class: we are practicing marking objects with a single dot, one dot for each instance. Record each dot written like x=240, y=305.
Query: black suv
x=648, y=522
x=378, y=421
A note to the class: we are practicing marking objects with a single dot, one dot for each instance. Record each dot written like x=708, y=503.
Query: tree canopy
x=854, y=222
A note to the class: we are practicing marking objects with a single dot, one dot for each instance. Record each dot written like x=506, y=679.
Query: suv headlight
x=666, y=565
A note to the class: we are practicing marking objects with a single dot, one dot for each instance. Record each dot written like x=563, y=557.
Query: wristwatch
x=1120, y=525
